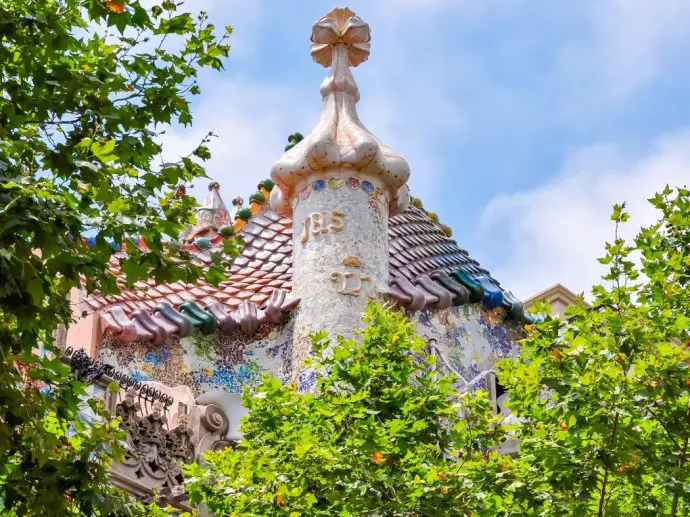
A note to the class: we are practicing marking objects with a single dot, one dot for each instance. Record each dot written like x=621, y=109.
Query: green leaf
x=118, y=206
x=214, y=275
x=88, y=165
x=35, y=289
x=74, y=104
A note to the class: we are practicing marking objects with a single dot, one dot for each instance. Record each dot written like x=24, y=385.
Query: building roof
x=558, y=297
x=555, y=292
x=427, y=269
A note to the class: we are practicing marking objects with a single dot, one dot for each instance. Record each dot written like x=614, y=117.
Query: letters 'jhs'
x=316, y=224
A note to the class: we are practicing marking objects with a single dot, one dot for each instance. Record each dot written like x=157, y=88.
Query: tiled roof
x=264, y=265
x=419, y=246
x=427, y=268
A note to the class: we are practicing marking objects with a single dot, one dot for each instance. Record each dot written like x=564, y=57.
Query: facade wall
x=471, y=339
x=205, y=363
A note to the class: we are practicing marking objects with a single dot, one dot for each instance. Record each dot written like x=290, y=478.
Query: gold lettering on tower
x=350, y=284
x=315, y=224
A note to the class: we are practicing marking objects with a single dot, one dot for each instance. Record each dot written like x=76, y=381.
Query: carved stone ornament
x=316, y=224
x=340, y=26
x=340, y=143
x=351, y=284
x=156, y=451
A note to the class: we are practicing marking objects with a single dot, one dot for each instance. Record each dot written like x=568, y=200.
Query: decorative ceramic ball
x=257, y=197
x=267, y=184
x=202, y=243
x=244, y=214
x=226, y=231
x=295, y=137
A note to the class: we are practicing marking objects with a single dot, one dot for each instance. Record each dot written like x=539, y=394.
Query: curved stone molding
x=232, y=410
x=167, y=320
x=214, y=425
x=340, y=142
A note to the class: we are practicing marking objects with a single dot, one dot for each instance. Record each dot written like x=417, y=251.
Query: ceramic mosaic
x=376, y=194
x=204, y=363
x=470, y=337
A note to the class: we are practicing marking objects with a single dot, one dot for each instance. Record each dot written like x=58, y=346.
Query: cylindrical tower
x=339, y=185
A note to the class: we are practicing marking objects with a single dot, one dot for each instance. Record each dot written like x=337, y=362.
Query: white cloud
x=252, y=122
x=633, y=37
x=555, y=232
x=620, y=48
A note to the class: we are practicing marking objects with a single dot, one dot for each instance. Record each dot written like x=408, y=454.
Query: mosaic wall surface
x=205, y=363
x=470, y=337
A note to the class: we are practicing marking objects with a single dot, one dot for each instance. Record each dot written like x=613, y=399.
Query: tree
x=382, y=434
x=86, y=89
x=604, y=396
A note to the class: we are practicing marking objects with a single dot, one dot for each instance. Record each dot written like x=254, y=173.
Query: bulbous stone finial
x=340, y=144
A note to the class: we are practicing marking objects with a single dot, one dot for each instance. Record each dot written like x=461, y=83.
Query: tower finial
x=212, y=212
x=340, y=27
x=340, y=142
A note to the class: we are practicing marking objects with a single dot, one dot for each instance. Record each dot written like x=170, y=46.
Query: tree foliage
x=604, y=396
x=382, y=434
x=602, y=400
x=87, y=87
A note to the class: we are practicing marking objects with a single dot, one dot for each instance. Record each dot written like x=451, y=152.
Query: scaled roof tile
x=417, y=246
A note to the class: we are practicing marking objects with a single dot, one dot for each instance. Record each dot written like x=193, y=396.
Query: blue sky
x=522, y=121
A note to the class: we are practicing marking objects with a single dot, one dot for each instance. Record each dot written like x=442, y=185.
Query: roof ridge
x=417, y=203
